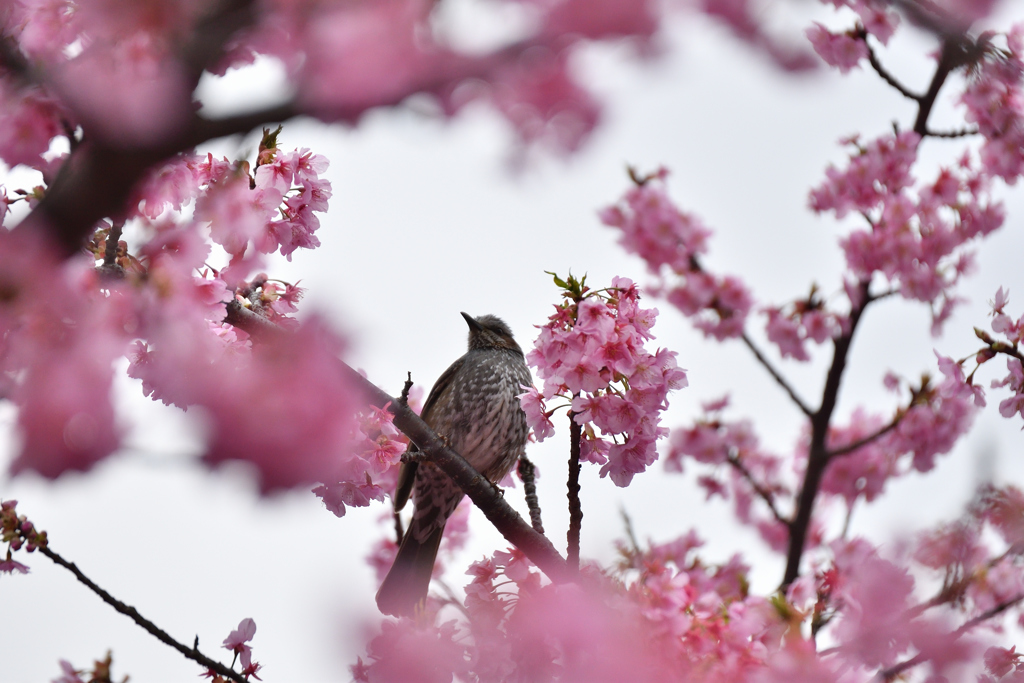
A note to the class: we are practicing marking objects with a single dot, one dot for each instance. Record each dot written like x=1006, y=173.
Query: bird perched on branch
x=473, y=406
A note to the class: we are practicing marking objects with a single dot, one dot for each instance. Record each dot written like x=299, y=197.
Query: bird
x=474, y=407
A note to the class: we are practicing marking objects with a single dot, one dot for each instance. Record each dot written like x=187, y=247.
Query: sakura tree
x=145, y=253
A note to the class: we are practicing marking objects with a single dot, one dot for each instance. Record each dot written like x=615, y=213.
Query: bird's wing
x=407, y=472
x=440, y=386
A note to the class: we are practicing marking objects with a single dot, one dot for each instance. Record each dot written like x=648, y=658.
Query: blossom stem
x=575, y=508
x=192, y=653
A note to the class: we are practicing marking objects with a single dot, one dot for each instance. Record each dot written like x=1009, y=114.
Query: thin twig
x=192, y=653
x=859, y=443
x=406, y=388
x=947, y=134
x=528, y=473
x=575, y=508
x=761, y=491
x=628, y=523
x=895, y=670
x=804, y=408
x=884, y=73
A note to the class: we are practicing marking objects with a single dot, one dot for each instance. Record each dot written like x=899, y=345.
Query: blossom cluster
x=916, y=231
x=666, y=613
x=1011, y=332
x=657, y=231
x=994, y=100
x=846, y=50
x=671, y=240
x=17, y=532
x=591, y=355
x=749, y=470
x=145, y=289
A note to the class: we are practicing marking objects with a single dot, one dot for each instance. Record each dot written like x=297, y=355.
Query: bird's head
x=490, y=332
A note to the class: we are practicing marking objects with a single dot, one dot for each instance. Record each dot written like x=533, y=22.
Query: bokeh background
x=430, y=218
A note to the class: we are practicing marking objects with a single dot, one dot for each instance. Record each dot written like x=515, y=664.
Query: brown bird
x=473, y=406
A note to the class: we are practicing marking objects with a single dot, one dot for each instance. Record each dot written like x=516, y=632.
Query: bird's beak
x=473, y=324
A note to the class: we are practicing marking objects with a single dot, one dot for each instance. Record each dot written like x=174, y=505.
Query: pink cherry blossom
x=841, y=50
x=237, y=640
x=591, y=356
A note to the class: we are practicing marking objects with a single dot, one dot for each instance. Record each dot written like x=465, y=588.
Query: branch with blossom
x=19, y=531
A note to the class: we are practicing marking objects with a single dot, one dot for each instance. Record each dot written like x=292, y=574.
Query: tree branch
x=849, y=448
x=192, y=653
x=884, y=73
x=817, y=456
x=761, y=491
x=804, y=408
x=957, y=50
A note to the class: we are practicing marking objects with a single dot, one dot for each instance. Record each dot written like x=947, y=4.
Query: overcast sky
x=428, y=220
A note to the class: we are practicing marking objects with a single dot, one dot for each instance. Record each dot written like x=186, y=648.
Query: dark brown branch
x=528, y=473
x=575, y=508
x=804, y=408
x=817, y=456
x=760, y=490
x=956, y=51
x=884, y=73
x=192, y=653
x=949, y=134
x=850, y=447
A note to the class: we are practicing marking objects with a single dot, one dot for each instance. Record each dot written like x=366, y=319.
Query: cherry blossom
x=590, y=355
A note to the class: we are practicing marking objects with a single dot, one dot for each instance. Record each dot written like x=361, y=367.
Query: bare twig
x=884, y=73
x=947, y=134
x=630, y=534
x=760, y=490
x=804, y=408
x=406, y=388
x=192, y=653
x=859, y=443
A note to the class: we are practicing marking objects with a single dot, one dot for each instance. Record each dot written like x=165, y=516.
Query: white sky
x=426, y=221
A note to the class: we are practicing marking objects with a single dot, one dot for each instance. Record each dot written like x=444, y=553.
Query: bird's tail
x=405, y=586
